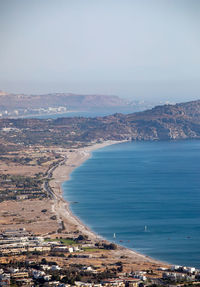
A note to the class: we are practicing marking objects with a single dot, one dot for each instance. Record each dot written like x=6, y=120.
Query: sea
x=100, y=112
x=146, y=193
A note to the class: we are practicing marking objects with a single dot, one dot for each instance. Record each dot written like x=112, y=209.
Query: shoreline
x=37, y=116
x=73, y=159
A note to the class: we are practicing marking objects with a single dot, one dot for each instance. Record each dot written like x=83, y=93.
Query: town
x=30, y=260
x=4, y=113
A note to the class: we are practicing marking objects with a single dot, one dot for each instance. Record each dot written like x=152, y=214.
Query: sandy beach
x=72, y=159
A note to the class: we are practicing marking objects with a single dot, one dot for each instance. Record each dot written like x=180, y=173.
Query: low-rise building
x=174, y=276
x=55, y=267
x=5, y=280
x=113, y=282
x=20, y=241
x=20, y=275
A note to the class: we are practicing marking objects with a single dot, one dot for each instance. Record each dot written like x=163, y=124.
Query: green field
x=64, y=241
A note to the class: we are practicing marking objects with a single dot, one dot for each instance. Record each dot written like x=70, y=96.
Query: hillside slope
x=180, y=121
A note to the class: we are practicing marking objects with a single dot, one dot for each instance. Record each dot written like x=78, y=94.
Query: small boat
x=145, y=228
x=114, y=235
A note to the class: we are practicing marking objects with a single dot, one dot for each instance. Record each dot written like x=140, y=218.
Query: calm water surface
x=125, y=187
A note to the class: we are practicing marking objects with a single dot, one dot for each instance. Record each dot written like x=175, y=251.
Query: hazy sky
x=144, y=49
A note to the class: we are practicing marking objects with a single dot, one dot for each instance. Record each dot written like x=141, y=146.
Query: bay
x=147, y=193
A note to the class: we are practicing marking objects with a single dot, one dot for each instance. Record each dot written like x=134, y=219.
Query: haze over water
x=136, y=49
x=125, y=187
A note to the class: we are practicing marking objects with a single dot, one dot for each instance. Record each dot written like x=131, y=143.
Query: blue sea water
x=124, y=187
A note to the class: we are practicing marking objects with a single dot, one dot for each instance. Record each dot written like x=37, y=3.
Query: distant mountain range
x=180, y=121
x=25, y=105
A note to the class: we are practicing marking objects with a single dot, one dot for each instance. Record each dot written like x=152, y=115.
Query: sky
x=137, y=49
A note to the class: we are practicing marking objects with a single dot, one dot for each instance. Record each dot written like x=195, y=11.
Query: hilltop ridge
x=180, y=121
x=14, y=105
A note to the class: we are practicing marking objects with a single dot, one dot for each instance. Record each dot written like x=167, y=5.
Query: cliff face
x=180, y=121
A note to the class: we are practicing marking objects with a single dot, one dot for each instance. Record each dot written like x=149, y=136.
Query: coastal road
x=47, y=187
x=49, y=191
